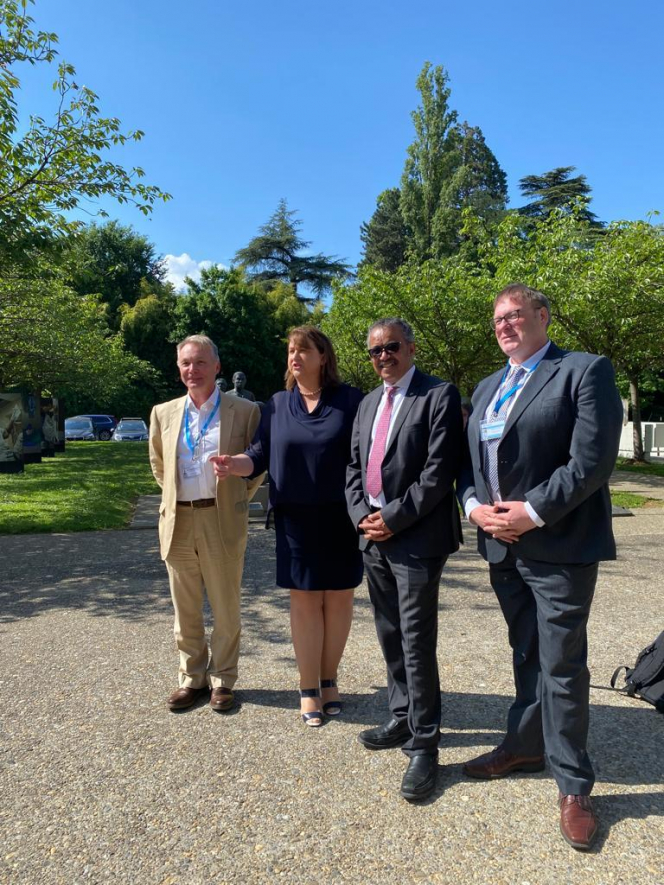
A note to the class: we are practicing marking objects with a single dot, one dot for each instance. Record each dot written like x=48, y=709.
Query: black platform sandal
x=314, y=719
x=331, y=708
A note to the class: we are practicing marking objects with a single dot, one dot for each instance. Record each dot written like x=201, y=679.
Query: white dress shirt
x=529, y=365
x=402, y=386
x=203, y=485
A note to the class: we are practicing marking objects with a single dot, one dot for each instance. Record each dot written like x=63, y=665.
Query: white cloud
x=180, y=266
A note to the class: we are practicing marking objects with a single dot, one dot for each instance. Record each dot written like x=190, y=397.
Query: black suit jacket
x=420, y=466
x=557, y=452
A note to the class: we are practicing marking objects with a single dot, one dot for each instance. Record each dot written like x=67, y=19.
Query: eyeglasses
x=510, y=318
x=392, y=347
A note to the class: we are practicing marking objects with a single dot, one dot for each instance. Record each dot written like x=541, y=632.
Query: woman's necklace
x=312, y=394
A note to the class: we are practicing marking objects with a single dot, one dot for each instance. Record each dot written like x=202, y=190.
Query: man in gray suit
x=405, y=455
x=543, y=440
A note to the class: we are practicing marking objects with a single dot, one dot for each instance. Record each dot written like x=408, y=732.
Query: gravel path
x=100, y=783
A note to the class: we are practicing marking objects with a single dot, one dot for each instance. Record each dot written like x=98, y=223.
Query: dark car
x=104, y=425
x=130, y=429
x=79, y=427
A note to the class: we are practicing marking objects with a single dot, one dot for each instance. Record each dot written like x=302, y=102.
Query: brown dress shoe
x=184, y=697
x=500, y=763
x=222, y=699
x=578, y=823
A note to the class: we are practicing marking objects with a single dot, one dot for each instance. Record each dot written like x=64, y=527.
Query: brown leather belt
x=202, y=502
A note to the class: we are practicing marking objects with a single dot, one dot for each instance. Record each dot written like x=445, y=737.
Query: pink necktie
x=374, y=476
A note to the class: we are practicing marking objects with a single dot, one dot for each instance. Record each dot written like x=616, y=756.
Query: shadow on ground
x=120, y=574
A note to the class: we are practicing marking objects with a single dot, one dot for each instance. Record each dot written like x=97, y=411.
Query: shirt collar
x=403, y=382
x=207, y=406
x=533, y=360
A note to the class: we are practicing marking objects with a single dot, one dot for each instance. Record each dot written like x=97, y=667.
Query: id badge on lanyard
x=194, y=468
x=491, y=429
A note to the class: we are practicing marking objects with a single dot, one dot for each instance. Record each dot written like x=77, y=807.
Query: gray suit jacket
x=420, y=466
x=557, y=452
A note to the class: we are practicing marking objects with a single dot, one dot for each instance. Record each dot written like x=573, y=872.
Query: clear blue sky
x=245, y=103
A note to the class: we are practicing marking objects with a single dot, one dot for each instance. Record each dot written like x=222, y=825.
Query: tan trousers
x=197, y=560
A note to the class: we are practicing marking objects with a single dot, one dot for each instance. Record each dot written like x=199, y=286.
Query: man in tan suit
x=202, y=523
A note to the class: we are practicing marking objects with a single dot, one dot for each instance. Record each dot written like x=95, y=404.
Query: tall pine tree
x=556, y=189
x=385, y=236
x=276, y=255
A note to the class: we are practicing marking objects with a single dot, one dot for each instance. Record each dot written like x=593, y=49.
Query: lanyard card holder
x=491, y=429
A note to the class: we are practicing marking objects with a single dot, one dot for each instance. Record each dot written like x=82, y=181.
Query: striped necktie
x=514, y=377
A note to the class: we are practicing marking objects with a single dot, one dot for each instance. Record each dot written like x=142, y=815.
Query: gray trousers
x=404, y=595
x=546, y=607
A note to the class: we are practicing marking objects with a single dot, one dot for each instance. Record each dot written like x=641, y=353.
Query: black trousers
x=404, y=595
x=546, y=607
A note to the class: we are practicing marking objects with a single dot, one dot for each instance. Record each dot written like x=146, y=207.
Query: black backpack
x=645, y=679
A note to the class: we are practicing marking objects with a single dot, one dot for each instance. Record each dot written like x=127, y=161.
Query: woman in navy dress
x=303, y=440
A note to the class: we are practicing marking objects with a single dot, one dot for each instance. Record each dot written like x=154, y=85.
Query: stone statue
x=239, y=389
x=222, y=384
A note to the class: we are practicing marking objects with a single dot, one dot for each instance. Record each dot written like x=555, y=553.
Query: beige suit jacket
x=238, y=419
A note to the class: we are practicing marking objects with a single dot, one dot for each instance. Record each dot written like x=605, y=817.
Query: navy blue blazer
x=557, y=452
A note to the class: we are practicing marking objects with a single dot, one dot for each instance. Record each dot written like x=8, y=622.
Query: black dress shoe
x=394, y=733
x=419, y=781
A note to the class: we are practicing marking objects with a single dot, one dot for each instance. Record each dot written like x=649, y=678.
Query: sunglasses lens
x=392, y=347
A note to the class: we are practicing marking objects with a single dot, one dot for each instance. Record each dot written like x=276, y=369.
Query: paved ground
x=100, y=783
x=651, y=486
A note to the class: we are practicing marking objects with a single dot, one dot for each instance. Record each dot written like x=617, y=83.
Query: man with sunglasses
x=543, y=439
x=405, y=455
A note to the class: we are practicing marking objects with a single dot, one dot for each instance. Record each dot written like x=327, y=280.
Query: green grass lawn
x=92, y=485
x=630, y=501
x=646, y=469
x=95, y=485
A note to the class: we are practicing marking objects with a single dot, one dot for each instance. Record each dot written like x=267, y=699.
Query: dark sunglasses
x=392, y=347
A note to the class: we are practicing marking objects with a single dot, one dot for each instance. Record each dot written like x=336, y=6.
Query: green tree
x=448, y=305
x=54, y=340
x=431, y=161
x=47, y=168
x=478, y=183
x=556, y=189
x=385, y=236
x=449, y=168
x=275, y=255
x=288, y=311
x=238, y=317
x=115, y=262
x=607, y=298
x=146, y=328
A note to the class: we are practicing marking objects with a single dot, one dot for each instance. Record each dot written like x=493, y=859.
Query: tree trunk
x=635, y=397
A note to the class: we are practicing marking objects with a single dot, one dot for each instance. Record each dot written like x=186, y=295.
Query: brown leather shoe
x=500, y=763
x=578, y=823
x=184, y=697
x=222, y=699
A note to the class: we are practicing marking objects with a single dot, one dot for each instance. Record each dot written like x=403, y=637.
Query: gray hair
x=202, y=341
x=405, y=328
x=524, y=294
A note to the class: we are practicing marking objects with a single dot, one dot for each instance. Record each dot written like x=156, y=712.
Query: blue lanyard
x=193, y=447
x=514, y=389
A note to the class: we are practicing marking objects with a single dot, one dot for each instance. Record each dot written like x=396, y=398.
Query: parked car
x=104, y=425
x=130, y=429
x=79, y=427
